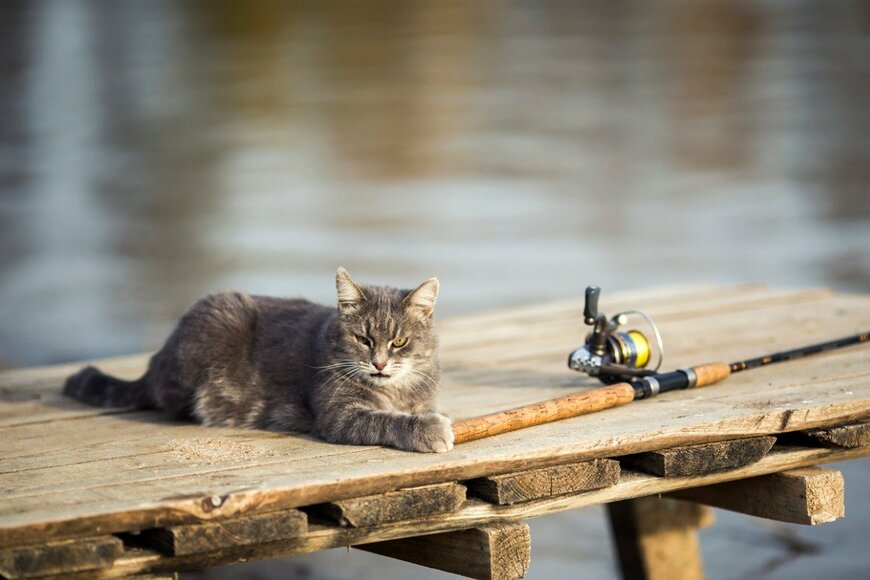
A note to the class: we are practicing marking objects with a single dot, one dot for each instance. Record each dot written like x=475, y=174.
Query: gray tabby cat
x=365, y=373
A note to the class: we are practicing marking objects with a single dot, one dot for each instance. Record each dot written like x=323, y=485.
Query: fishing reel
x=613, y=355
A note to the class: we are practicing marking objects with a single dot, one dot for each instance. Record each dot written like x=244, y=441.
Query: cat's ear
x=350, y=296
x=421, y=301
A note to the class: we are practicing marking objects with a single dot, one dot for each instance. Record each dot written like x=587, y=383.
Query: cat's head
x=387, y=334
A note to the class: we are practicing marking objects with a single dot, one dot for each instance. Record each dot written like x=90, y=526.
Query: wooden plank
x=809, y=495
x=750, y=334
x=761, y=388
x=497, y=552
x=475, y=513
x=291, y=479
x=729, y=335
x=657, y=538
x=546, y=482
x=850, y=436
x=29, y=396
x=42, y=379
x=403, y=504
x=59, y=557
x=141, y=486
x=530, y=342
x=253, y=529
x=551, y=444
x=701, y=458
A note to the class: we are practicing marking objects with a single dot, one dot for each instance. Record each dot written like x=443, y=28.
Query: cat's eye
x=400, y=342
x=363, y=340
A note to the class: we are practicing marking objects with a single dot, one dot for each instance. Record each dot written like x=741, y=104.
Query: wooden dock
x=114, y=493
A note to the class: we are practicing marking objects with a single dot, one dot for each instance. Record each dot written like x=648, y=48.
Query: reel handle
x=590, y=309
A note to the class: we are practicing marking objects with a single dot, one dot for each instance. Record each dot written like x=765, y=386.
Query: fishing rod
x=619, y=359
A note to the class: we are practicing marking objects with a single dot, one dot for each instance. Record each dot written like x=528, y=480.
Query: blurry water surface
x=151, y=152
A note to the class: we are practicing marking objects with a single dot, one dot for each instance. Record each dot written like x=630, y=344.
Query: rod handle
x=557, y=409
x=711, y=373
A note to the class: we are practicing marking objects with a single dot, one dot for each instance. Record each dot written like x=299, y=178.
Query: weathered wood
x=657, y=538
x=526, y=341
x=493, y=329
x=59, y=557
x=474, y=513
x=809, y=495
x=194, y=538
x=501, y=551
x=855, y=435
x=701, y=458
x=403, y=504
x=546, y=482
x=67, y=469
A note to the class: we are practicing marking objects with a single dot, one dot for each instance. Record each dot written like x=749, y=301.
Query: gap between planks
x=279, y=498
x=477, y=513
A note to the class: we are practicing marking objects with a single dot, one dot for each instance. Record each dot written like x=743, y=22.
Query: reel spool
x=613, y=355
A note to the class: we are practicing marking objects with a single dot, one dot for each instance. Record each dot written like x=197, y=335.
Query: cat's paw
x=432, y=434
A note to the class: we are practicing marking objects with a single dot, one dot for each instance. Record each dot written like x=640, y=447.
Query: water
x=156, y=151
x=151, y=152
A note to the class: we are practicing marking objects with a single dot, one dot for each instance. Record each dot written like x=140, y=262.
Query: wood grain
x=67, y=469
x=497, y=552
x=194, y=538
x=851, y=436
x=701, y=458
x=513, y=488
x=657, y=539
x=474, y=513
x=809, y=495
x=393, y=506
x=59, y=557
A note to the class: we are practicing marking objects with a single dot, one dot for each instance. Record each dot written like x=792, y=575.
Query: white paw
x=434, y=435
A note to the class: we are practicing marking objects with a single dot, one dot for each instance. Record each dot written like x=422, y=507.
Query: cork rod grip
x=544, y=412
x=711, y=373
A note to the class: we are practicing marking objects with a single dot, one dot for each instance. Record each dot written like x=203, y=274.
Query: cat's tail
x=92, y=386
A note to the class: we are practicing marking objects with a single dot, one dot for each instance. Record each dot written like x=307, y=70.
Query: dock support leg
x=496, y=552
x=657, y=538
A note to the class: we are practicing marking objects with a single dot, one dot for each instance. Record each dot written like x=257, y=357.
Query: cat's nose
x=379, y=365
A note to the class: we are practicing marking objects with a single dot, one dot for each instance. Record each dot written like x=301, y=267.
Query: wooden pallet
x=111, y=493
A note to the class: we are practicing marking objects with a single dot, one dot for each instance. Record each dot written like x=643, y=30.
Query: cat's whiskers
x=427, y=378
x=333, y=366
x=339, y=375
x=336, y=364
x=338, y=371
x=344, y=376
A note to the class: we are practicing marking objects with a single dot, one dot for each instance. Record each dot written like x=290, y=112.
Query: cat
x=365, y=373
